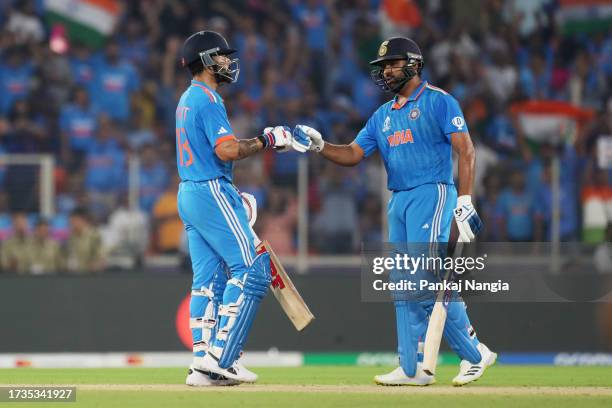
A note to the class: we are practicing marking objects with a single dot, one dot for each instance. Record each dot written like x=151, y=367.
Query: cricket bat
x=285, y=292
x=437, y=320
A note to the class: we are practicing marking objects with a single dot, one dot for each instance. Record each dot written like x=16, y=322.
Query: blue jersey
x=201, y=124
x=414, y=138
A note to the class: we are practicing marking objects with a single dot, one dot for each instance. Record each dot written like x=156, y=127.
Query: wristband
x=266, y=139
x=464, y=200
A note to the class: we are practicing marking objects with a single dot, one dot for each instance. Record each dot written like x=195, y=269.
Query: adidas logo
x=425, y=226
x=222, y=130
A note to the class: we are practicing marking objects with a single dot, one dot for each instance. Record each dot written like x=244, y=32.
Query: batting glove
x=468, y=221
x=278, y=137
x=307, y=138
x=250, y=205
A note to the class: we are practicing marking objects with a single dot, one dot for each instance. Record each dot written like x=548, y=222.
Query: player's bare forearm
x=462, y=145
x=344, y=155
x=231, y=150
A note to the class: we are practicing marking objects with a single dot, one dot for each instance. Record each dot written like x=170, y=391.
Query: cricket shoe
x=199, y=378
x=398, y=377
x=236, y=371
x=469, y=372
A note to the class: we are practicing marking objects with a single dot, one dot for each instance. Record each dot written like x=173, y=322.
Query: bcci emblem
x=383, y=49
x=414, y=114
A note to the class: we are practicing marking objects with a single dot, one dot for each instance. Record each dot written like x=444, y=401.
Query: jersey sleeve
x=366, y=138
x=216, y=124
x=449, y=115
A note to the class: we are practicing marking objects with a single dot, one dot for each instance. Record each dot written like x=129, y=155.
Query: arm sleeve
x=366, y=138
x=449, y=115
x=215, y=123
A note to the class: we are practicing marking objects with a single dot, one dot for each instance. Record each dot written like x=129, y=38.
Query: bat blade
x=285, y=291
x=437, y=320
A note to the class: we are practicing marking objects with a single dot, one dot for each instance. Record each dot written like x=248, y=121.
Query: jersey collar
x=212, y=94
x=415, y=95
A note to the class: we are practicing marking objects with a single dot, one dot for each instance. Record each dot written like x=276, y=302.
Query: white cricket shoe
x=398, y=377
x=236, y=371
x=199, y=378
x=469, y=372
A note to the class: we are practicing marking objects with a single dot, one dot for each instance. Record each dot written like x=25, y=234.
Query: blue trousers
x=421, y=218
x=221, y=249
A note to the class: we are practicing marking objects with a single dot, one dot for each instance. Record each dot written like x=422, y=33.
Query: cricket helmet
x=397, y=48
x=201, y=47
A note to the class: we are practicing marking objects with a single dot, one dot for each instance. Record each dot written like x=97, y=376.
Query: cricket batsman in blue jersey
x=229, y=278
x=416, y=133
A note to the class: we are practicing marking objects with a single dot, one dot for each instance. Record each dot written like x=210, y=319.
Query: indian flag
x=584, y=16
x=550, y=121
x=88, y=21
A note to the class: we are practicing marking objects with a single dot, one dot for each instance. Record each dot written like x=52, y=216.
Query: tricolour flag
x=88, y=21
x=584, y=16
x=550, y=121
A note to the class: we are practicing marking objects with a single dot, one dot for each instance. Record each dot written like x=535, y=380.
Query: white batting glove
x=250, y=205
x=307, y=138
x=468, y=222
x=278, y=137
x=283, y=149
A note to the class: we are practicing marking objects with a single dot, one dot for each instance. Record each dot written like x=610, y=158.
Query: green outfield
x=325, y=386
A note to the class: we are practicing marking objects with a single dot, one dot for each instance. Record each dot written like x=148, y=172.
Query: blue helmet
x=397, y=48
x=201, y=47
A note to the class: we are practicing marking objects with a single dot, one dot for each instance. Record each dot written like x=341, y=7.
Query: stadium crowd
x=302, y=61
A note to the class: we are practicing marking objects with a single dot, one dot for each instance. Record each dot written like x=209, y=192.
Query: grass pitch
x=325, y=386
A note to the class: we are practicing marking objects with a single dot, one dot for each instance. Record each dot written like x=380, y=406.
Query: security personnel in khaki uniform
x=15, y=253
x=46, y=256
x=84, y=247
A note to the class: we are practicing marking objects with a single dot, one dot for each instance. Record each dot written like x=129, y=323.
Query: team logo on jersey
x=414, y=113
x=222, y=130
x=458, y=122
x=387, y=124
x=383, y=48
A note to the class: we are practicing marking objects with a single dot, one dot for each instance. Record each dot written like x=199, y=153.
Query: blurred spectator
x=127, y=233
x=24, y=23
x=501, y=77
x=167, y=226
x=82, y=64
x=518, y=210
x=489, y=209
x=500, y=133
x=15, y=77
x=105, y=169
x=78, y=121
x=529, y=15
x=134, y=44
x=370, y=221
x=114, y=82
x=140, y=134
x=153, y=178
x=57, y=76
x=84, y=247
x=315, y=18
x=15, y=253
x=46, y=255
x=334, y=226
x=535, y=79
